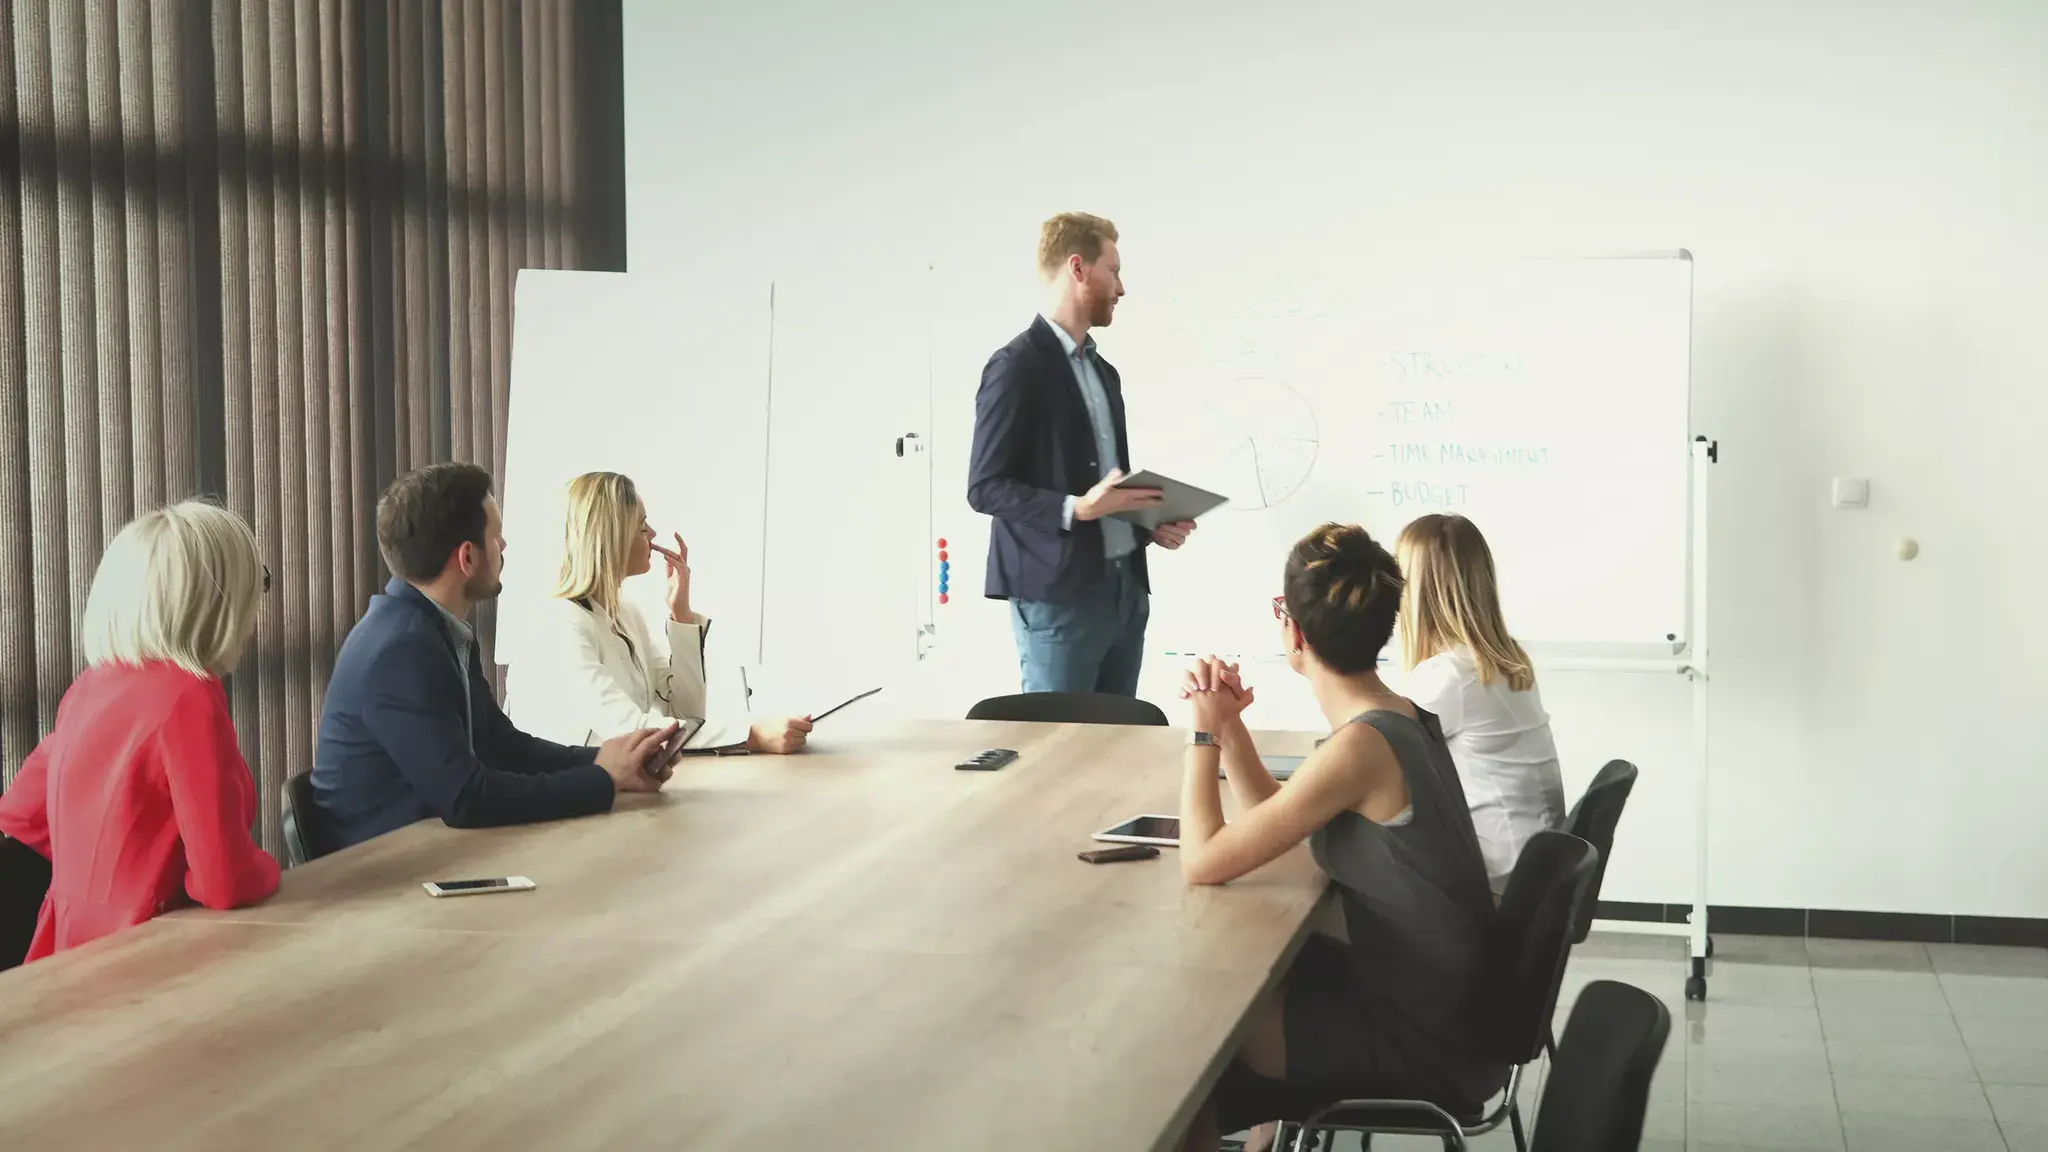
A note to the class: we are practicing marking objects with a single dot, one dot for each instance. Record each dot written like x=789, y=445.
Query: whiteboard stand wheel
x=1696, y=984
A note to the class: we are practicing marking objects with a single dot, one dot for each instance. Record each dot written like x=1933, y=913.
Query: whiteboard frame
x=1613, y=654
x=1691, y=663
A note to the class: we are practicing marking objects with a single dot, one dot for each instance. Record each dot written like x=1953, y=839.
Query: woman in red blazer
x=139, y=797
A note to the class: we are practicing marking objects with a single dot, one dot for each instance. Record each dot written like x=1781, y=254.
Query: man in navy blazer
x=410, y=727
x=1049, y=449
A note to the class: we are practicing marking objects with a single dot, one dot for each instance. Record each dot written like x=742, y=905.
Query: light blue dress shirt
x=465, y=639
x=1118, y=538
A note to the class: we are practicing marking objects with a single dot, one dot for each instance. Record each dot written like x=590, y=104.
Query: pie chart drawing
x=1268, y=441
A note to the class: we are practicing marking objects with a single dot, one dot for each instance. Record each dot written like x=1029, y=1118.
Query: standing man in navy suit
x=1049, y=450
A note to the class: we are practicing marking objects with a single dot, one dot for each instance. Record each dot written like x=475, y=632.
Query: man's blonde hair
x=180, y=584
x=597, y=539
x=1071, y=234
x=1453, y=601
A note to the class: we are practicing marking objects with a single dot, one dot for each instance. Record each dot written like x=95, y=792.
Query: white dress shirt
x=585, y=676
x=1507, y=762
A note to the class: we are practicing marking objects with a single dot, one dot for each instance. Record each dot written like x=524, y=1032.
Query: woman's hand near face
x=678, y=561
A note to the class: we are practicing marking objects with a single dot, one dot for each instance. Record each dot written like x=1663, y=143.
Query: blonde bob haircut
x=597, y=538
x=180, y=584
x=1453, y=601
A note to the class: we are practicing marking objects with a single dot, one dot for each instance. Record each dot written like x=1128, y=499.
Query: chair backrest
x=24, y=881
x=1069, y=708
x=305, y=827
x=1532, y=936
x=1593, y=820
x=1599, y=1084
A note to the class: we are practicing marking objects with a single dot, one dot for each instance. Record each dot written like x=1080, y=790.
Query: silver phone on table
x=478, y=887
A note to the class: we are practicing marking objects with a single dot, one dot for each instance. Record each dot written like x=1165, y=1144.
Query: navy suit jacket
x=394, y=747
x=1034, y=447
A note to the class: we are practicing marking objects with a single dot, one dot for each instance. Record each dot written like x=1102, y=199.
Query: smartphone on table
x=478, y=887
x=663, y=763
x=1115, y=855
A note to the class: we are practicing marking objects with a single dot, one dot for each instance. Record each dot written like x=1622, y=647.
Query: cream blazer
x=585, y=676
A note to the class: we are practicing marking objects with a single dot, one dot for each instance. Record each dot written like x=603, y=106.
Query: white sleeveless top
x=1500, y=740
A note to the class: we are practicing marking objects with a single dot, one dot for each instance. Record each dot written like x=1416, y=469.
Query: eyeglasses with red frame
x=1280, y=607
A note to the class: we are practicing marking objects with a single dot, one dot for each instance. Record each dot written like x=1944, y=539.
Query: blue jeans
x=1095, y=644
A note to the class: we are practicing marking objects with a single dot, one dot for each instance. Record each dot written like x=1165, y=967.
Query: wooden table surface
x=855, y=948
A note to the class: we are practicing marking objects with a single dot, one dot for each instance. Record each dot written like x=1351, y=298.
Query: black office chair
x=1593, y=819
x=1069, y=708
x=1525, y=960
x=306, y=837
x=24, y=880
x=1599, y=1085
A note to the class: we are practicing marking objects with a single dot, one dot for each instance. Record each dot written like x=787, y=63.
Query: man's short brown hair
x=427, y=514
x=1071, y=234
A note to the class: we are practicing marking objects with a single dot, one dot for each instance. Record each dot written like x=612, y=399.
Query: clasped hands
x=1216, y=693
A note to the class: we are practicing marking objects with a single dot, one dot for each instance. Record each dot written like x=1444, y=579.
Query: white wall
x=1860, y=182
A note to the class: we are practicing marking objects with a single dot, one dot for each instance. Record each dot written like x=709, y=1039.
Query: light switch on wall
x=1852, y=493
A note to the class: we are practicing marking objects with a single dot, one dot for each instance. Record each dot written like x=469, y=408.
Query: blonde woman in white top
x=1465, y=667
x=594, y=666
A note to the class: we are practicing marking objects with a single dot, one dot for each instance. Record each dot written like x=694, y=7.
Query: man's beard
x=481, y=587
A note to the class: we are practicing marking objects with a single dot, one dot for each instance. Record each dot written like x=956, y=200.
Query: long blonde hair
x=182, y=584
x=597, y=538
x=1453, y=600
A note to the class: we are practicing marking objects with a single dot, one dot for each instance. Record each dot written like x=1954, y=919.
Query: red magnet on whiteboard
x=944, y=598
x=942, y=541
x=942, y=553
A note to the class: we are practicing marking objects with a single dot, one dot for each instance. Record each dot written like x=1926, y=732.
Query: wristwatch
x=1202, y=740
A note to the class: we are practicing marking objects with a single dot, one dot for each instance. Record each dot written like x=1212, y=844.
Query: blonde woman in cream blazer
x=593, y=666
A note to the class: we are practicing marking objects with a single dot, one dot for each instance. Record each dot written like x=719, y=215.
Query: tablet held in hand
x=1181, y=501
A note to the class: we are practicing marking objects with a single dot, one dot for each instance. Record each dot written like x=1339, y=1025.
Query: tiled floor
x=1827, y=1044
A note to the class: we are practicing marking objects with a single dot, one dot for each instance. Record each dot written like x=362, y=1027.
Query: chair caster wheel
x=1696, y=988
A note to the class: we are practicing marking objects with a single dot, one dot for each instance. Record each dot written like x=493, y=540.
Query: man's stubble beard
x=487, y=589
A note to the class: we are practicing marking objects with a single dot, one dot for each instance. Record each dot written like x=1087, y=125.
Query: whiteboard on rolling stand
x=666, y=382
x=1546, y=400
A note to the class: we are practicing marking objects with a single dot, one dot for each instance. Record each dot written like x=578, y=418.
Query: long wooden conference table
x=859, y=947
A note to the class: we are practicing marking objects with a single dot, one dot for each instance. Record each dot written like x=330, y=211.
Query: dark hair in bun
x=1343, y=591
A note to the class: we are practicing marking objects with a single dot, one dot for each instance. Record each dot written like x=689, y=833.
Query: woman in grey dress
x=1392, y=1011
